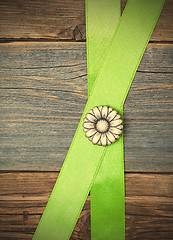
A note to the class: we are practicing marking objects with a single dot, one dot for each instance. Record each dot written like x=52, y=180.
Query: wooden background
x=43, y=77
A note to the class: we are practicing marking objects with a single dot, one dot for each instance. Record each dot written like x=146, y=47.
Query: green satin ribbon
x=91, y=167
x=107, y=192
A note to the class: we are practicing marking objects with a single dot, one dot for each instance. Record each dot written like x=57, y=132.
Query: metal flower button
x=102, y=125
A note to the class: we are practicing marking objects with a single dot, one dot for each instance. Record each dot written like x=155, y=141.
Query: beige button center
x=102, y=126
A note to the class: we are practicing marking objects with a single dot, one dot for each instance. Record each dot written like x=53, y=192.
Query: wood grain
x=149, y=205
x=43, y=94
x=61, y=19
x=43, y=88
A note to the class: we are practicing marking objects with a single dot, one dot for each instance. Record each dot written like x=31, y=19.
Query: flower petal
x=85, y=129
x=97, y=112
x=90, y=133
x=91, y=117
x=104, y=111
x=110, y=109
x=108, y=142
x=111, y=115
x=110, y=137
x=115, y=130
x=90, y=138
x=103, y=139
x=120, y=127
x=96, y=138
x=100, y=108
x=115, y=123
x=88, y=125
x=91, y=111
x=86, y=120
x=117, y=136
x=99, y=143
x=117, y=117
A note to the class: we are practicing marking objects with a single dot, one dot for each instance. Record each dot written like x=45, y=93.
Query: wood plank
x=59, y=19
x=43, y=94
x=149, y=205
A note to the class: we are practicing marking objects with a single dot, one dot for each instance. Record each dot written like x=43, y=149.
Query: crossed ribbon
x=115, y=46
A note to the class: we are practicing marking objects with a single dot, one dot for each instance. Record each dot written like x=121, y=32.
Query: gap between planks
x=61, y=20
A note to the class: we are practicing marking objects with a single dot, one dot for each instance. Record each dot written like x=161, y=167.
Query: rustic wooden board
x=24, y=195
x=61, y=19
x=43, y=94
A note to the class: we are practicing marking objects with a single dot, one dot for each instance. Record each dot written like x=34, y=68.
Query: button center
x=102, y=125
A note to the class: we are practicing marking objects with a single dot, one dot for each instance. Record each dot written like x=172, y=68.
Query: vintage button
x=102, y=125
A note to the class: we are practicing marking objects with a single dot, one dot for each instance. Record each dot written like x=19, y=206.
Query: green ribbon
x=113, y=58
x=107, y=192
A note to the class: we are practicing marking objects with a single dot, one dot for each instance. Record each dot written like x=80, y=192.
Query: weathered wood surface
x=149, y=205
x=63, y=19
x=43, y=94
x=42, y=84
